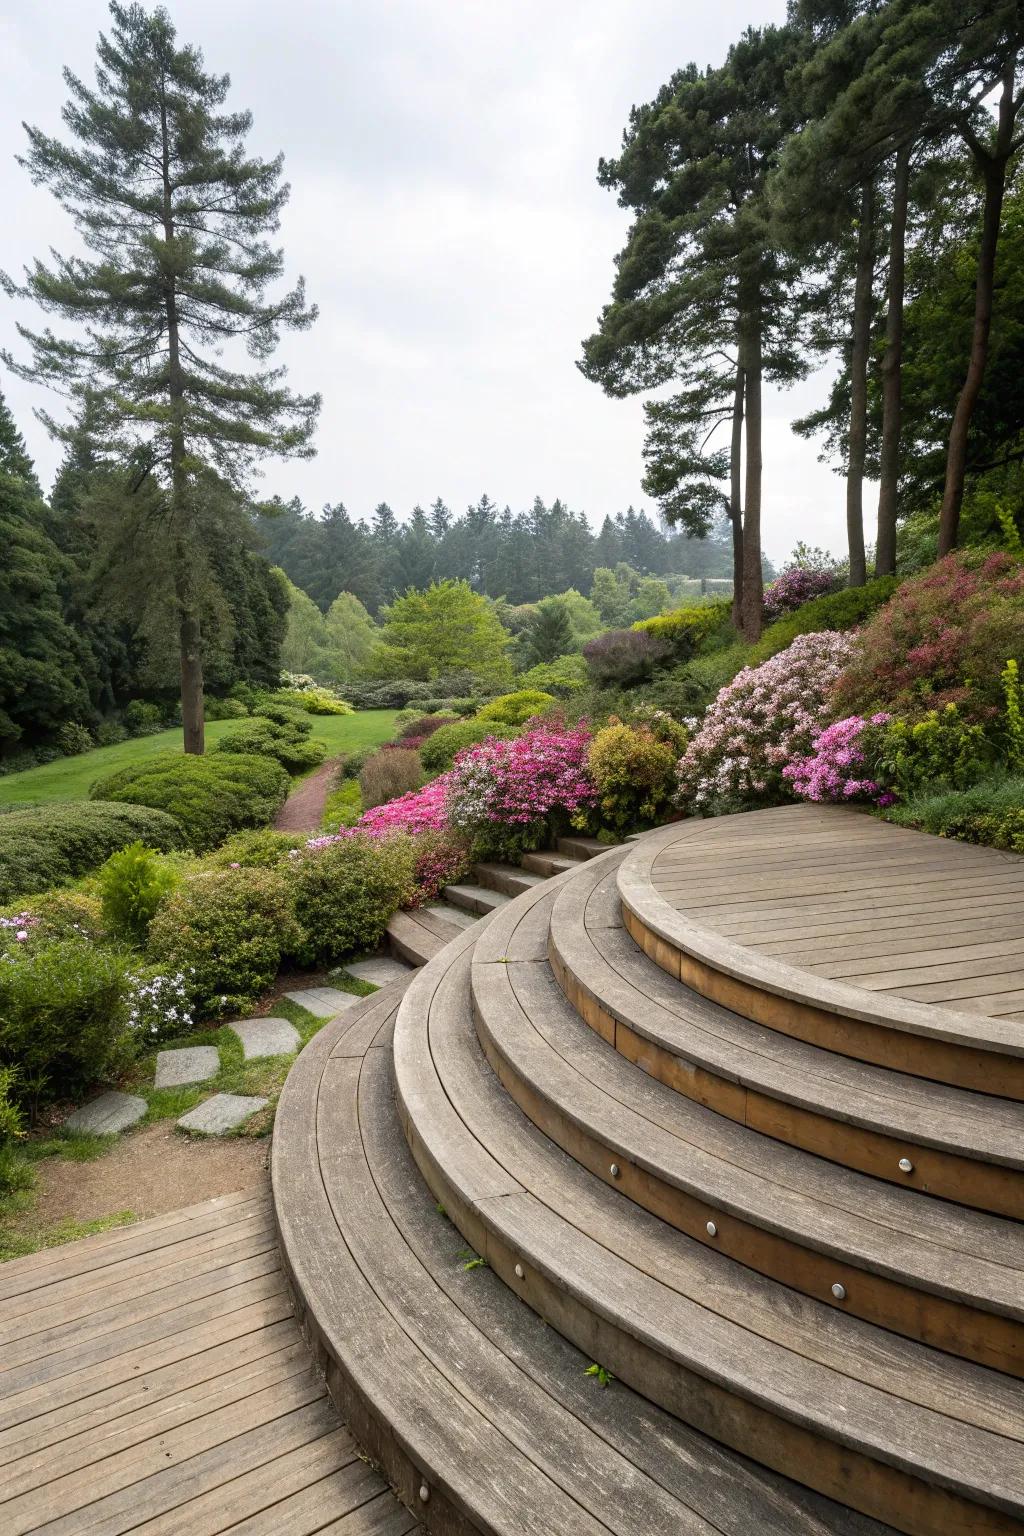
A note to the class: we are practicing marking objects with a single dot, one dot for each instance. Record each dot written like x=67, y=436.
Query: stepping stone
x=324, y=1002
x=194, y=1064
x=222, y=1113
x=266, y=1037
x=109, y=1113
x=379, y=969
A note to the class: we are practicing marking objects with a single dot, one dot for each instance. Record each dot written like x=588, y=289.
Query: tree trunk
x=753, y=576
x=736, y=498
x=860, y=349
x=892, y=369
x=189, y=628
x=993, y=166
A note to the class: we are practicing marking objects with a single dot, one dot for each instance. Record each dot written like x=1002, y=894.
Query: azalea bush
x=439, y=860
x=838, y=768
x=797, y=585
x=506, y=796
x=422, y=810
x=943, y=638
x=766, y=717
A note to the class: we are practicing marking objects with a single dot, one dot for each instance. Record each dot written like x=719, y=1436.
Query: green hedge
x=438, y=752
x=210, y=796
x=268, y=738
x=49, y=844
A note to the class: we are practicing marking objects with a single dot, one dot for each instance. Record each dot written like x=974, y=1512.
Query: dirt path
x=303, y=809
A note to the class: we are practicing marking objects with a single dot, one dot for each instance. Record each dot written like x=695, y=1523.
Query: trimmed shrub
x=210, y=797
x=63, y=1019
x=944, y=638
x=634, y=775
x=438, y=754
x=686, y=632
x=387, y=774
x=516, y=708
x=563, y=677
x=226, y=930
x=622, y=657
x=50, y=843
x=224, y=709
x=842, y=610
x=345, y=893
x=261, y=849
x=766, y=717
x=133, y=883
x=267, y=738
x=295, y=719
x=314, y=700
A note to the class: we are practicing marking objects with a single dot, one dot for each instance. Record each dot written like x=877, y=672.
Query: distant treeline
x=521, y=556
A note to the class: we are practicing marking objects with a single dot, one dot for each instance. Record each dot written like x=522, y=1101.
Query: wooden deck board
x=155, y=1380
x=846, y=897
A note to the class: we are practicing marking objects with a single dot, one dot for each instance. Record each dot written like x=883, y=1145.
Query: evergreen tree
x=549, y=634
x=174, y=213
x=14, y=459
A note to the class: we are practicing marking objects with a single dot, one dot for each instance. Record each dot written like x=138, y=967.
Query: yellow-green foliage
x=516, y=708
x=942, y=749
x=688, y=631
x=1014, y=696
x=634, y=773
x=315, y=701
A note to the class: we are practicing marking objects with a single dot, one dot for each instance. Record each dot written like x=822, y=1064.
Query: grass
x=69, y=778
x=17, y=1245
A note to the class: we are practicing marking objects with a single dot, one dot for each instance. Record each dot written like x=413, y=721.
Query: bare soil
x=304, y=808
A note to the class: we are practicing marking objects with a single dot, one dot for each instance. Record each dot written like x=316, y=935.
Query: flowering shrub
x=633, y=775
x=500, y=794
x=160, y=1005
x=836, y=768
x=422, y=810
x=765, y=718
x=440, y=860
x=797, y=585
x=943, y=638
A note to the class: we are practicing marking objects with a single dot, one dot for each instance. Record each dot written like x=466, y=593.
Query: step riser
x=509, y=882
x=985, y=1186
x=547, y=864
x=899, y=1050
x=581, y=848
x=872, y=1487
x=962, y=1330
x=467, y=900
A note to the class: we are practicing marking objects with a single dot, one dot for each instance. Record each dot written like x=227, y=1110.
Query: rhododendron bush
x=796, y=586
x=838, y=766
x=766, y=717
x=501, y=795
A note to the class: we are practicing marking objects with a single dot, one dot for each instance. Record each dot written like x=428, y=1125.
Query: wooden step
x=419, y=934
x=547, y=864
x=581, y=847
x=963, y=1146
x=508, y=878
x=449, y=914
x=474, y=898
x=452, y=1383
x=897, y=1430
x=693, y=900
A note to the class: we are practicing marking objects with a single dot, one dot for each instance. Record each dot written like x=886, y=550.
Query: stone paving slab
x=109, y=1113
x=379, y=969
x=223, y=1112
x=193, y=1064
x=266, y=1037
x=324, y=1002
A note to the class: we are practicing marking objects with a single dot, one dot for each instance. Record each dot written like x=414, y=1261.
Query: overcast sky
x=447, y=219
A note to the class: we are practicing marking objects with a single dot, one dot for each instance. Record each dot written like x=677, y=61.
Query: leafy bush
x=268, y=738
x=14, y=1171
x=766, y=717
x=563, y=677
x=506, y=796
x=438, y=754
x=260, y=849
x=283, y=714
x=226, y=930
x=345, y=891
x=944, y=638
x=633, y=773
x=73, y=738
x=314, y=700
x=42, y=846
x=133, y=883
x=440, y=860
x=516, y=708
x=386, y=774
x=420, y=726
x=110, y=733
x=396, y=693
x=686, y=632
x=990, y=813
x=842, y=610
x=798, y=584
x=224, y=709
x=621, y=657
x=210, y=797
x=143, y=718
x=63, y=1019
x=942, y=750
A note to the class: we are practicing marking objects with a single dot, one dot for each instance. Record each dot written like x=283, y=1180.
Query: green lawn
x=69, y=778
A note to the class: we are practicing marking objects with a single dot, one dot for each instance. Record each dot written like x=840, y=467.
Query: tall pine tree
x=174, y=214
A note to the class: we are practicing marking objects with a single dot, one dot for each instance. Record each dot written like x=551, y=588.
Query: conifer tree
x=174, y=213
x=550, y=632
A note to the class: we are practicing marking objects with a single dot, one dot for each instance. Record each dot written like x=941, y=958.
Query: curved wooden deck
x=154, y=1379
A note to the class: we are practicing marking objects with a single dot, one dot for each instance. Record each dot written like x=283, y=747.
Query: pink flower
x=21, y=935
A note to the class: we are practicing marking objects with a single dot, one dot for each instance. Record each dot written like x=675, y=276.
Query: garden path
x=158, y=1381
x=303, y=809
